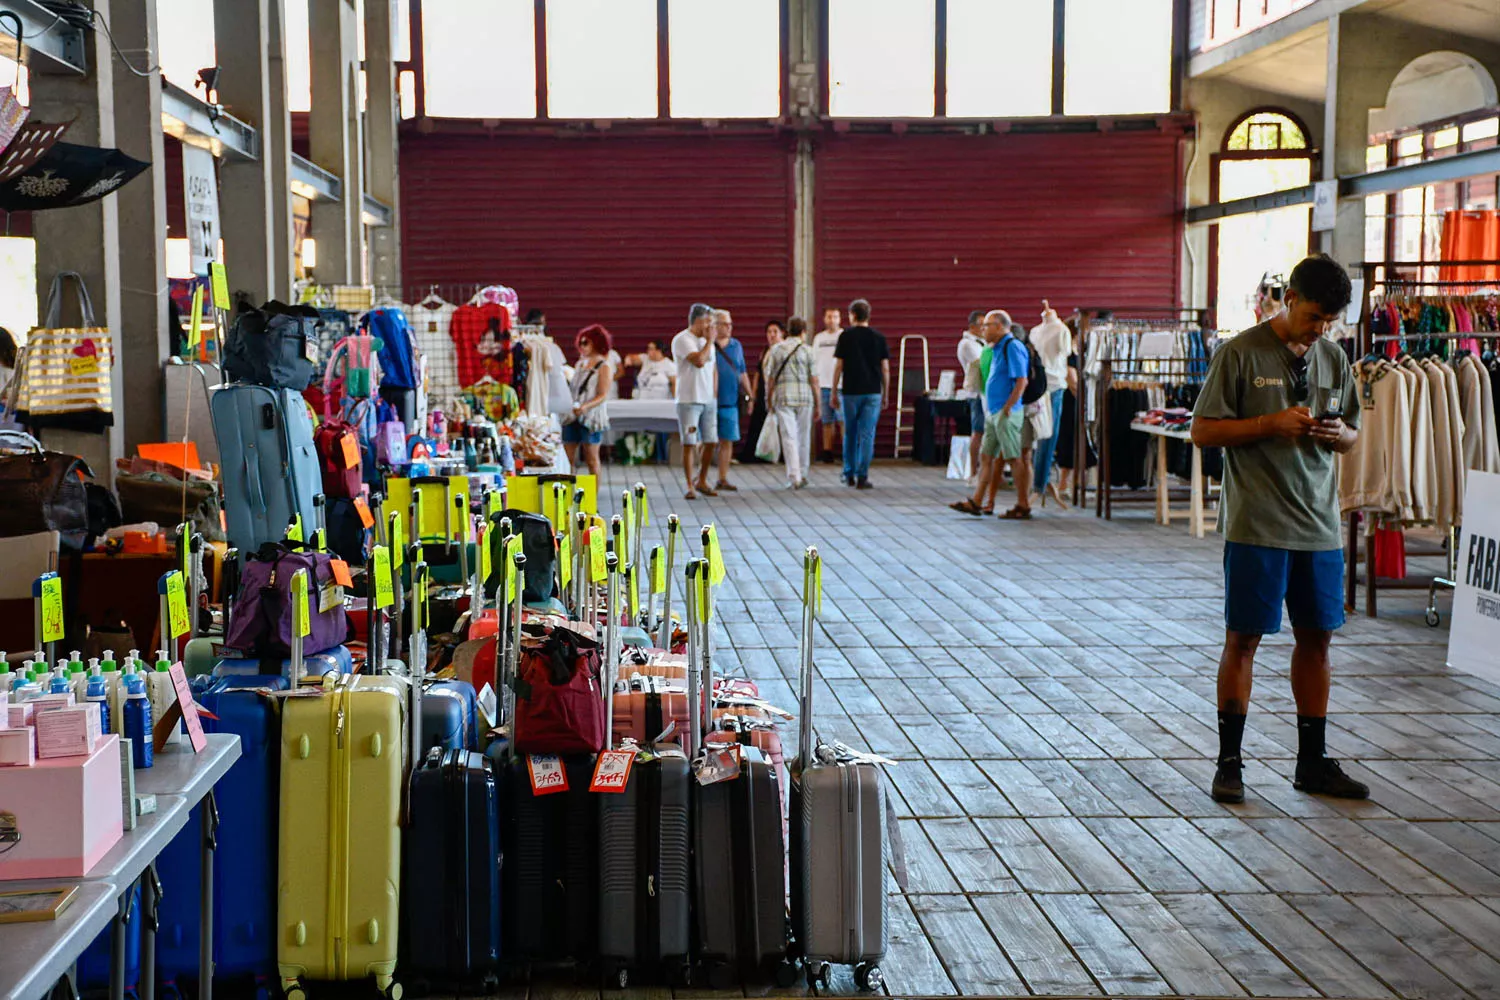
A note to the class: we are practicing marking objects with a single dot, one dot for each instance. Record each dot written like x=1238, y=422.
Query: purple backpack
x=260, y=622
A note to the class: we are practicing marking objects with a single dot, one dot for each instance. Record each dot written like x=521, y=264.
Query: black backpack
x=538, y=545
x=275, y=345
x=1036, y=377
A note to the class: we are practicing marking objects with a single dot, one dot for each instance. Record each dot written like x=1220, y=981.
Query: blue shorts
x=1259, y=579
x=576, y=433
x=976, y=415
x=827, y=414
x=729, y=423
x=698, y=423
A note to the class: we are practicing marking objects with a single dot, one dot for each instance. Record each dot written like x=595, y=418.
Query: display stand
x=1197, y=487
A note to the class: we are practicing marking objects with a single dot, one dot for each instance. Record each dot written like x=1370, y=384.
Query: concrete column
x=276, y=151
x=85, y=239
x=250, y=200
x=803, y=84
x=382, y=152
x=335, y=141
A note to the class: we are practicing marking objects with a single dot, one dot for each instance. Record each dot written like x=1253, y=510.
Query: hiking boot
x=1325, y=777
x=1228, y=785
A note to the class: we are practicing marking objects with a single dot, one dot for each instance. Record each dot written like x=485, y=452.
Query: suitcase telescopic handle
x=664, y=630
x=695, y=706
x=810, y=565
x=513, y=652
x=611, y=667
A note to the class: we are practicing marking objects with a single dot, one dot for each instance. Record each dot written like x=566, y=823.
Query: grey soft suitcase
x=269, y=465
x=838, y=844
x=186, y=388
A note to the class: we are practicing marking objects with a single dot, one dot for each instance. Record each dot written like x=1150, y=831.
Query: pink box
x=68, y=812
x=18, y=747
x=68, y=732
x=21, y=714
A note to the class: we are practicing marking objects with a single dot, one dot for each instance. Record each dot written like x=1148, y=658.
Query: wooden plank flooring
x=1048, y=689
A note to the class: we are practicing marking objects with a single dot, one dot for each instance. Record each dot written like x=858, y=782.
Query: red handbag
x=337, y=443
x=559, y=697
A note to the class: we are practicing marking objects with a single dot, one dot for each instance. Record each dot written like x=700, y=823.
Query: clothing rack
x=1128, y=371
x=1377, y=284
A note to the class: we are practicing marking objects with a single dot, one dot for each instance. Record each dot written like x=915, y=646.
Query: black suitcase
x=549, y=866
x=452, y=861
x=645, y=922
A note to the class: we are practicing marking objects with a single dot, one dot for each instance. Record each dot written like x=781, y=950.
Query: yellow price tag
x=496, y=502
x=658, y=571
x=484, y=553
x=598, y=565
x=559, y=506
x=195, y=328
x=294, y=530
x=814, y=587
x=632, y=596
x=705, y=597
x=513, y=578
x=716, y=570
x=627, y=526
x=385, y=591
x=52, y=608
x=645, y=508
x=565, y=559
x=177, y=610
x=219, y=278
x=398, y=542
x=419, y=600
x=301, y=615
x=460, y=503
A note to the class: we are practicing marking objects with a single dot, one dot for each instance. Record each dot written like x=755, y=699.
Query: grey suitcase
x=269, y=465
x=186, y=388
x=838, y=818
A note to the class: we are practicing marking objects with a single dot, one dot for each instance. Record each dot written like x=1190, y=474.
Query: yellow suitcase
x=342, y=769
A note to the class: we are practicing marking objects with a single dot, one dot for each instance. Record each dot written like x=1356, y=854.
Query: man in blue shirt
x=1002, y=443
x=734, y=388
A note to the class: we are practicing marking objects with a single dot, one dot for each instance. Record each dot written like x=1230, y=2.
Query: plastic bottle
x=471, y=457
x=6, y=677
x=507, y=457
x=138, y=720
x=59, y=684
x=97, y=693
x=26, y=688
x=78, y=677
x=163, y=694
x=114, y=683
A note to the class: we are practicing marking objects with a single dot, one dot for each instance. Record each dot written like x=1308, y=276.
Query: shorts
x=1258, y=579
x=576, y=433
x=1028, y=432
x=729, y=423
x=1002, y=435
x=827, y=413
x=698, y=423
x=976, y=415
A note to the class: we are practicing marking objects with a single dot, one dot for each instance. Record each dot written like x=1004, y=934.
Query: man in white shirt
x=971, y=347
x=697, y=392
x=824, y=344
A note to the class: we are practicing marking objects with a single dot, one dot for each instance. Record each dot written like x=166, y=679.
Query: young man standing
x=697, y=394
x=791, y=389
x=824, y=344
x=1009, y=367
x=1281, y=402
x=733, y=389
x=862, y=375
x=970, y=349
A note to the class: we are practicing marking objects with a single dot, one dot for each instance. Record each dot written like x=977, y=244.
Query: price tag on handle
x=219, y=279
x=385, y=592
x=48, y=591
x=658, y=560
x=301, y=619
x=598, y=566
x=716, y=571
x=177, y=609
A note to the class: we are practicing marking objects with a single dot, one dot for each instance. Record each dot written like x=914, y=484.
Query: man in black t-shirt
x=862, y=374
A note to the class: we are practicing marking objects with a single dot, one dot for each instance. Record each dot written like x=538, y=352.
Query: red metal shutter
x=930, y=227
x=627, y=231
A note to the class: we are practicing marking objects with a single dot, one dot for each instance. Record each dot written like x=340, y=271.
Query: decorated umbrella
x=12, y=116
x=69, y=175
x=32, y=142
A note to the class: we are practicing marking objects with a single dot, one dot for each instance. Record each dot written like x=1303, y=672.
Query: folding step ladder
x=903, y=450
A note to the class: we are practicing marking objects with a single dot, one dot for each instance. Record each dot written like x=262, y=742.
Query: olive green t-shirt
x=1278, y=492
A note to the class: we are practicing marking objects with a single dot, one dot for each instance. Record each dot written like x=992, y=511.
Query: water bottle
x=471, y=457
x=507, y=457
x=138, y=720
x=97, y=693
x=163, y=694
x=115, y=688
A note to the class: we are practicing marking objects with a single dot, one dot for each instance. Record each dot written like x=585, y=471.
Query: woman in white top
x=592, y=376
x=658, y=375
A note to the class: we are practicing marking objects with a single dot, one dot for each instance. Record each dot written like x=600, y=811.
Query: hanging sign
x=1475, y=634
x=200, y=188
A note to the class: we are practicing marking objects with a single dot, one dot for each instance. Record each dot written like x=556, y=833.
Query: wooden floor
x=1048, y=689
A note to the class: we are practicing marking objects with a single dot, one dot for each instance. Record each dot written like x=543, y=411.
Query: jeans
x=795, y=426
x=861, y=414
x=1047, y=450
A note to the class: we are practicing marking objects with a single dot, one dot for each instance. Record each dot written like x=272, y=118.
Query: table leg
x=210, y=813
x=1163, y=498
x=1196, y=494
x=150, y=895
x=117, y=929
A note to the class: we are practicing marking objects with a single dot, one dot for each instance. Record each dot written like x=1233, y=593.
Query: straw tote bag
x=65, y=377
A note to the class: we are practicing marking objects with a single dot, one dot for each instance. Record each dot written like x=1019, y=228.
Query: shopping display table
x=34, y=956
x=1197, y=491
x=654, y=415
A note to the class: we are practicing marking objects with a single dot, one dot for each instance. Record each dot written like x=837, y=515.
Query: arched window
x=1265, y=131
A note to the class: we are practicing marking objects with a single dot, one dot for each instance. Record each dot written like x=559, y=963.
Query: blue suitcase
x=452, y=927
x=245, y=858
x=94, y=963
x=450, y=716
x=338, y=659
x=270, y=468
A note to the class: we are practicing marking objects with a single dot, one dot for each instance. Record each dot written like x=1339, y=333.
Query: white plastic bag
x=768, y=445
x=958, y=457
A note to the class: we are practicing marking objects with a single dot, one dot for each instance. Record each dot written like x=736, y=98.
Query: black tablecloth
x=935, y=423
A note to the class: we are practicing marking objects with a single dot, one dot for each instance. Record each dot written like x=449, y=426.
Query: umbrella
x=69, y=175
x=31, y=143
x=12, y=116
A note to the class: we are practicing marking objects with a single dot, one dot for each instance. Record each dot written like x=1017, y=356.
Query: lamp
x=309, y=254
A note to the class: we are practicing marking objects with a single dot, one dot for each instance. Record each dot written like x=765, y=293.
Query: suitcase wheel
x=293, y=990
x=388, y=987
x=617, y=978
x=787, y=973
x=868, y=977
x=720, y=976
x=819, y=975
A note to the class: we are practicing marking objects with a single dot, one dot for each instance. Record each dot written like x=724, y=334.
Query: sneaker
x=1325, y=777
x=848, y=480
x=864, y=484
x=1229, y=786
x=801, y=484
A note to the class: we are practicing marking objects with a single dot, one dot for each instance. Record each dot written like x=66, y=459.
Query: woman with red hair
x=592, y=377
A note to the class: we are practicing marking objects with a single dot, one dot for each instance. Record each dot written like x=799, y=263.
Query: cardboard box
x=18, y=747
x=67, y=811
x=21, y=714
x=67, y=732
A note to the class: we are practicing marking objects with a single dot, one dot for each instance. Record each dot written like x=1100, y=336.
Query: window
x=479, y=60
x=298, y=56
x=1119, y=57
x=1489, y=128
x=990, y=81
x=601, y=58
x=725, y=58
x=185, y=38
x=401, y=26
x=880, y=58
x=1266, y=132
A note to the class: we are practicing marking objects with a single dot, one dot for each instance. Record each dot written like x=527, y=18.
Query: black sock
x=1231, y=734
x=1310, y=732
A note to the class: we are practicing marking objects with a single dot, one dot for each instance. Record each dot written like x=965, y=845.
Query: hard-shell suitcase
x=336, y=660
x=343, y=761
x=269, y=464
x=452, y=909
x=450, y=716
x=838, y=843
x=244, y=879
x=643, y=707
x=550, y=867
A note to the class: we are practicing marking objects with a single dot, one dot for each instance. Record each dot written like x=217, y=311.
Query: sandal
x=966, y=506
x=690, y=495
x=727, y=488
x=703, y=488
x=1017, y=514
x=987, y=511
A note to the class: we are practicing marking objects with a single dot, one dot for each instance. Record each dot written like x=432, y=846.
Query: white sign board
x=1475, y=636
x=1325, y=213
x=200, y=184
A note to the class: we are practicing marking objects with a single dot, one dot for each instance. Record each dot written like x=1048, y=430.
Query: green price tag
x=398, y=542
x=565, y=559
x=496, y=502
x=177, y=610
x=716, y=570
x=705, y=598
x=385, y=592
x=813, y=587
x=632, y=596
x=195, y=330
x=627, y=526
x=598, y=565
x=645, y=508
x=419, y=599
x=512, y=575
x=219, y=279
x=559, y=506
x=301, y=616
x=658, y=571
x=483, y=542
x=461, y=515
x=52, y=608
x=294, y=531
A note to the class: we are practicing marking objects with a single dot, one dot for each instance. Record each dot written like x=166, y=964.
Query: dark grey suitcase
x=838, y=818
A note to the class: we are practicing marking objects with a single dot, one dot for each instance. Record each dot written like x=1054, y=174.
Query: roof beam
x=51, y=43
x=313, y=182
x=184, y=116
x=376, y=212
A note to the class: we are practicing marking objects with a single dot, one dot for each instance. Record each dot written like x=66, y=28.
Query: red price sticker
x=612, y=772
x=341, y=574
x=351, y=452
x=363, y=509
x=547, y=774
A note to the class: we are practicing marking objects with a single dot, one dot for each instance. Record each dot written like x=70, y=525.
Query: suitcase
x=186, y=415
x=450, y=716
x=643, y=707
x=838, y=818
x=452, y=913
x=336, y=660
x=342, y=776
x=550, y=867
x=244, y=875
x=269, y=466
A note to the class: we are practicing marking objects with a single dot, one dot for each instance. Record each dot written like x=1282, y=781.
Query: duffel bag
x=260, y=623
x=44, y=491
x=559, y=698
x=338, y=458
x=275, y=345
x=538, y=545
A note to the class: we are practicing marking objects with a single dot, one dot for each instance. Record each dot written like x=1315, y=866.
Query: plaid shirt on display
x=790, y=363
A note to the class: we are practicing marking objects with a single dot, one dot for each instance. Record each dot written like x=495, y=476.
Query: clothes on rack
x=1068, y=426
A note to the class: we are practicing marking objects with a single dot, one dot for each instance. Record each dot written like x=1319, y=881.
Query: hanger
x=432, y=300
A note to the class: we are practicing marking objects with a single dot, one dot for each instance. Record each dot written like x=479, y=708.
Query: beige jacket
x=1376, y=473
x=1443, y=451
x=1424, y=464
x=1480, y=446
